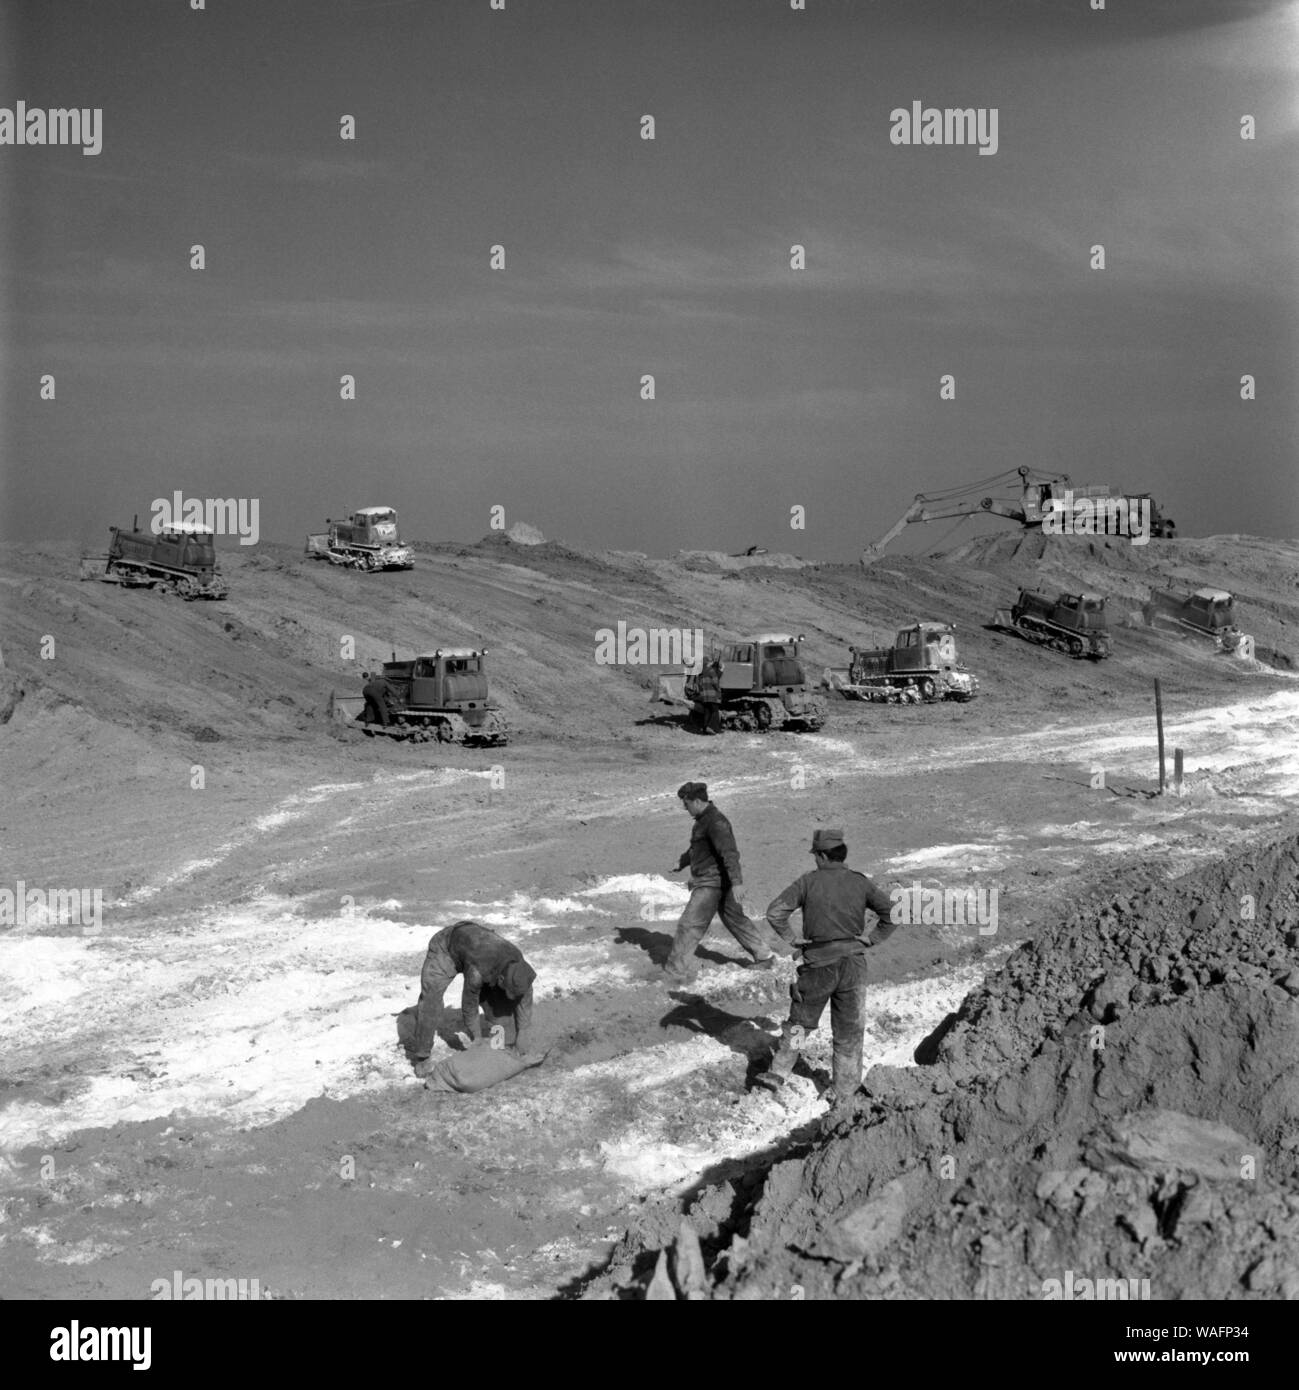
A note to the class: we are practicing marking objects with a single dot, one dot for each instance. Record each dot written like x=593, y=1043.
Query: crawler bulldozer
x=920, y=667
x=1073, y=623
x=440, y=697
x=179, y=559
x=764, y=686
x=367, y=540
x=1207, y=613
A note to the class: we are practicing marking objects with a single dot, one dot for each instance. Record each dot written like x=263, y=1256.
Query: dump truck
x=1073, y=623
x=1162, y=528
x=442, y=697
x=1208, y=613
x=177, y=559
x=764, y=686
x=367, y=540
x=921, y=665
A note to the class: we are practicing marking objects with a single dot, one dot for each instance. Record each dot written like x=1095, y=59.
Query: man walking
x=380, y=698
x=834, y=900
x=714, y=877
x=496, y=976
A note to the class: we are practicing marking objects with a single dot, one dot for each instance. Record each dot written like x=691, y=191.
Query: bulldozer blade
x=670, y=690
x=835, y=678
x=346, y=708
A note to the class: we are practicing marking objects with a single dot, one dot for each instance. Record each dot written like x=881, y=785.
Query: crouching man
x=834, y=901
x=495, y=976
x=381, y=700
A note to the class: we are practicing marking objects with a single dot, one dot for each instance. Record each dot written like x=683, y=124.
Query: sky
x=521, y=387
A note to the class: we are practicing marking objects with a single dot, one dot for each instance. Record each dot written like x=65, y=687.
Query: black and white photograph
x=649, y=650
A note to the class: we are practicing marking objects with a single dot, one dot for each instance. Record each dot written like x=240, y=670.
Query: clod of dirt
x=1156, y=1140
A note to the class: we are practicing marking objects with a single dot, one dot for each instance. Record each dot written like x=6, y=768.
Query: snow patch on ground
x=733, y=1123
x=973, y=858
x=520, y=914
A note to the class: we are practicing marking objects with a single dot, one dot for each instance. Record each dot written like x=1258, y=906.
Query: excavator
x=1037, y=489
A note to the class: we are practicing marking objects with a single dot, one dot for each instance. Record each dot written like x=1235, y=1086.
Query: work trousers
x=376, y=711
x=706, y=902
x=708, y=713
x=841, y=984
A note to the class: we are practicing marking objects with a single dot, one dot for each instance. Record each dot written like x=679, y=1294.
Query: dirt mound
x=523, y=534
x=719, y=559
x=1120, y=1102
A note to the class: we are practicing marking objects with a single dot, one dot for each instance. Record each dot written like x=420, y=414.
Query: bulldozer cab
x=737, y=666
x=763, y=662
x=1081, y=612
x=935, y=644
x=909, y=652
x=371, y=526
x=1214, y=608
x=445, y=680
x=777, y=662
x=185, y=547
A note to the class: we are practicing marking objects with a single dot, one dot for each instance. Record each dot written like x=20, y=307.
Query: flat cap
x=693, y=791
x=517, y=979
x=823, y=840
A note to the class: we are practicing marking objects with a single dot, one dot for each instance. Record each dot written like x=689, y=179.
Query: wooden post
x=1159, y=724
x=1177, y=771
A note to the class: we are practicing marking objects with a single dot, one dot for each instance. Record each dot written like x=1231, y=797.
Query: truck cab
x=1161, y=527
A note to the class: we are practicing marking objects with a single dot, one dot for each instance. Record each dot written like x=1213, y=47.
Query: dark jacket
x=482, y=958
x=834, y=902
x=713, y=858
x=708, y=686
x=382, y=690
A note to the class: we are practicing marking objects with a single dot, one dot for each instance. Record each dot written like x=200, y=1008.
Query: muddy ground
x=209, y=1081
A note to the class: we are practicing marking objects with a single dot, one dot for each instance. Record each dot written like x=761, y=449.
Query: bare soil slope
x=200, y=1063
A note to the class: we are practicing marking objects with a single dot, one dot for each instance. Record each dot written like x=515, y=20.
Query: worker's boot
x=845, y=1064
x=783, y=1058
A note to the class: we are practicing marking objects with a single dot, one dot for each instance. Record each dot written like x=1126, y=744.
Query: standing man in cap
x=714, y=876
x=834, y=900
x=708, y=692
x=496, y=975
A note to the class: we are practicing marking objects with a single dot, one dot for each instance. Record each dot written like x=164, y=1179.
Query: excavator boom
x=1035, y=488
